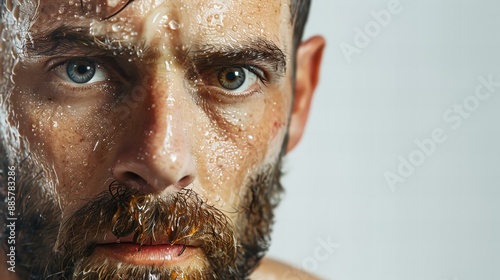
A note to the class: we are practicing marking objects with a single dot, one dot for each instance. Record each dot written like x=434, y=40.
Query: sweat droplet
x=95, y=146
x=174, y=25
x=117, y=27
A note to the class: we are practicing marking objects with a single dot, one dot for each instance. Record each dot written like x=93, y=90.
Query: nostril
x=152, y=178
x=134, y=179
x=131, y=177
x=184, y=181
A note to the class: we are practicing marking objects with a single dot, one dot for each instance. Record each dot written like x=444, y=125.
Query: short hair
x=300, y=11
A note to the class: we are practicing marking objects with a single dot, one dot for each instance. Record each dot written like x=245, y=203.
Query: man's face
x=159, y=127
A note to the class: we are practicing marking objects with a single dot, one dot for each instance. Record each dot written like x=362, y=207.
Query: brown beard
x=47, y=249
x=182, y=218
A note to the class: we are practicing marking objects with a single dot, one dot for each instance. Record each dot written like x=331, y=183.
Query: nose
x=155, y=153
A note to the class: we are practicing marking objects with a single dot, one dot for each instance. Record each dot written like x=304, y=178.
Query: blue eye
x=81, y=71
x=236, y=78
x=231, y=78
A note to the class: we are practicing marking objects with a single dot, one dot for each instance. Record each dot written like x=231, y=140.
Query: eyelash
x=108, y=82
x=258, y=72
x=202, y=73
x=60, y=69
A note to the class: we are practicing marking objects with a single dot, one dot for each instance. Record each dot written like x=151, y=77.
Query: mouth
x=151, y=255
x=158, y=252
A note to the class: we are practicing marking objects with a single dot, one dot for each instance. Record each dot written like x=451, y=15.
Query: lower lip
x=157, y=255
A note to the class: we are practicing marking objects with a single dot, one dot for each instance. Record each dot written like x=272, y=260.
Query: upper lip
x=156, y=240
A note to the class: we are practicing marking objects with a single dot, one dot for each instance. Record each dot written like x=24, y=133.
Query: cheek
x=278, y=129
x=71, y=140
x=238, y=143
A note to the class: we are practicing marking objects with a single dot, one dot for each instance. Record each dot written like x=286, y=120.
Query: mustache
x=182, y=218
x=57, y=246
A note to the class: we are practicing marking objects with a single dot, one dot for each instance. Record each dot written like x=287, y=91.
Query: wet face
x=151, y=133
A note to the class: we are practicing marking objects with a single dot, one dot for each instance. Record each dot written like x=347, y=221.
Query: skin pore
x=119, y=117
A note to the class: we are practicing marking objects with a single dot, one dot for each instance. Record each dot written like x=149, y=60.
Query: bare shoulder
x=270, y=269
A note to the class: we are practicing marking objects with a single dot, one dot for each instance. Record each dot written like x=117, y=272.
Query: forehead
x=191, y=21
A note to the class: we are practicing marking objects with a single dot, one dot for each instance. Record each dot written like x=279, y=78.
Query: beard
x=49, y=248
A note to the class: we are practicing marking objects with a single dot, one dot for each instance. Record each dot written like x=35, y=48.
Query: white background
x=443, y=221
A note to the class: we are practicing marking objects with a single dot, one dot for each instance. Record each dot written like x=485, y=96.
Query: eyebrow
x=77, y=41
x=66, y=40
x=259, y=51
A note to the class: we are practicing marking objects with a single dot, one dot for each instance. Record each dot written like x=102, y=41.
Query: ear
x=308, y=62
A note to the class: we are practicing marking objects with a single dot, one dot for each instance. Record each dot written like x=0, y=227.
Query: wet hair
x=300, y=12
